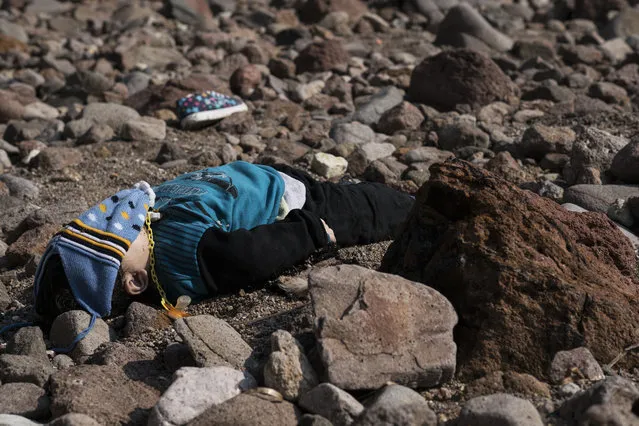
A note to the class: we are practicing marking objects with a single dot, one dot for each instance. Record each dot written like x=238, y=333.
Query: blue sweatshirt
x=235, y=196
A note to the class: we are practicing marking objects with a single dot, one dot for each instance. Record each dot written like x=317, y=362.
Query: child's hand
x=329, y=232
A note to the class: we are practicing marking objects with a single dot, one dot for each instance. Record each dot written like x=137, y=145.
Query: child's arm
x=232, y=260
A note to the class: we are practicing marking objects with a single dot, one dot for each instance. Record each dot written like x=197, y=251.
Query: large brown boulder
x=526, y=277
x=460, y=77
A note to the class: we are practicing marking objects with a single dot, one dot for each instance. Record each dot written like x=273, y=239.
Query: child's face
x=134, y=266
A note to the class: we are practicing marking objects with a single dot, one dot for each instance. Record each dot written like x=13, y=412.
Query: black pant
x=358, y=213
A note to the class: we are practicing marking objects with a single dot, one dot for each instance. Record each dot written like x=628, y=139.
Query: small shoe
x=201, y=109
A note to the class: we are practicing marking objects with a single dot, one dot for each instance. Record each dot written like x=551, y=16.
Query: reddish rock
x=245, y=80
x=57, y=158
x=526, y=277
x=313, y=11
x=460, y=77
x=404, y=116
x=31, y=243
x=322, y=56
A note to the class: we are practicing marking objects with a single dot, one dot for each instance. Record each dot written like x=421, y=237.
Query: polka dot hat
x=92, y=246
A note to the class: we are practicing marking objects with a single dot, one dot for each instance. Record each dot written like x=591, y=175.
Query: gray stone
x=146, y=128
x=594, y=149
x=142, y=318
x=113, y=115
x=250, y=409
x=348, y=299
x=314, y=420
x=465, y=20
x=214, y=343
x=376, y=150
x=287, y=369
x=609, y=402
x=24, y=399
x=76, y=128
x=371, y=112
x=609, y=93
x=499, y=409
x=625, y=163
x=398, y=406
x=136, y=81
x=332, y=403
x=98, y=132
x=427, y=154
x=5, y=161
x=20, y=187
x=101, y=392
x=28, y=341
x=93, y=82
x=194, y=390
x=40, y=110
x=14, y=420
x=355, y=132
x=620, y=212
x=62, y=362
x=13, y=30
x=460, y=135
x=617, y=49
x=579, y=362
x=328, y=166
x=156, y=58
x=68, y=325
x=539, y=140
x=598, y=198
x=74, y=419
x=22, y=368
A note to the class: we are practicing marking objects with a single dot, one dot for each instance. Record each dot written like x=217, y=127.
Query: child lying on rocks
x=207, y=232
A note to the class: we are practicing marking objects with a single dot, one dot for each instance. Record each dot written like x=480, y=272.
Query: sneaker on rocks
x=201, y=109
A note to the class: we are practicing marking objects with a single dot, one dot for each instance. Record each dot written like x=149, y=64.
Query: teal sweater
x=235, y=196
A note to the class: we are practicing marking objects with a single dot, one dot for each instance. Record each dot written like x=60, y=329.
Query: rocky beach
x=511, y=294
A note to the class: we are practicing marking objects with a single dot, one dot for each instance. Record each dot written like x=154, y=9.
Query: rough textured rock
x=506, y=258
x=102, y=392
x=464, y=26
x=113, y=115
x=145, y=128
x=598, y=198
x=23, y=368
x=194, y=390
x=141, y=318
x=460, y=77
x=399, y=406
x=624, y=163
x=612, y=401
x=24, y=399
x=215, y=343
x=372, y=111
x=69, y=324
x=499, y=409
x=347, y=299
x=332, y=403
x=592, y=155
x=539, y=140
x=74, y=419
x=28, y=341
x=328, y=166
x=322, y=56
x=287, y=369
x=250, y=410
x=576, y=363
x=404, y=116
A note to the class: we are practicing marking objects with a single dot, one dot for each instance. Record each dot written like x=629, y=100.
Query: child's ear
x=135, y=283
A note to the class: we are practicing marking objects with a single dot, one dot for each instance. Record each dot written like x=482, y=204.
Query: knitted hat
x=91, y=247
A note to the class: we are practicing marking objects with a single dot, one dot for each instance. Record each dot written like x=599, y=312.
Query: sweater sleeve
x=231, y=260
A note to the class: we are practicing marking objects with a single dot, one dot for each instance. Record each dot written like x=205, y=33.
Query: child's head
x=80, y=266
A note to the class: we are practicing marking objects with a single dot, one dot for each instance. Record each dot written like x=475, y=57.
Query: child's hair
x=55, y=295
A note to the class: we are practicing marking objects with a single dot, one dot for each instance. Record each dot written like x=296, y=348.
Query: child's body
x=219, y=229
